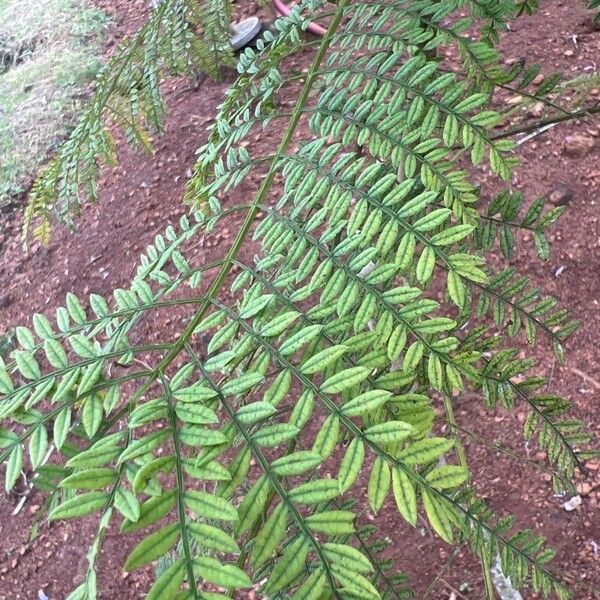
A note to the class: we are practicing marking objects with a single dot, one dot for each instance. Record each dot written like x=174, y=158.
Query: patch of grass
x=49, y=53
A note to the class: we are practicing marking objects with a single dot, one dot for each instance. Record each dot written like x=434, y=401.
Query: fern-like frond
x=179, y=36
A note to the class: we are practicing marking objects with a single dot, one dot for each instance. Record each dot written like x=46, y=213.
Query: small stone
x=513, y=100
x=593, y=465
x=578, y=145
x=541, y=455
x=561, y=195
x=539, y=79
x=537, y=110
x=584, y=488
x=568, y=53
x=573, y=503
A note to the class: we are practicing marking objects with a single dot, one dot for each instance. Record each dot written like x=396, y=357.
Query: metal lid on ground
x=243, y=32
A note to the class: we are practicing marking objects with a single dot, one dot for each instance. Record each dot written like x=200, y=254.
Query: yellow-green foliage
x=48, y=55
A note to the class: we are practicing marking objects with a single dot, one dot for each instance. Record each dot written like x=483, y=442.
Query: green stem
x=185, y=542
x=487, y=578
x=579, y=114
x=259, y=198
x=462, y=460
x=460, y=450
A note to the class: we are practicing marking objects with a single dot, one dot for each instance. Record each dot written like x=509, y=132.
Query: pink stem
x=284, y=9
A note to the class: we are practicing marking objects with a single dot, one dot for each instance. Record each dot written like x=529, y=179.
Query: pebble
x=584, y=488
x=573, y=503
x=578, y=145
x=537, y=110
x=561, y=195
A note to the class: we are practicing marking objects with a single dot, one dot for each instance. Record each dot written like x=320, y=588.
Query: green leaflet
x=254, y=307
x=279, y=388
x=76, y=310
x=396, y=342
x=437, y=516
x=196, y=435
x=365, y=403
x=89, y=479
x=127, y=504
x=417, y=204
x=222, y=336
x=96, y=456
x=196, y=413
x=79, y=506
x=296, y=463
x=210, y=471
x=195, y=393
x=379, y=483
x=213, y=571
x=209, y=506
x=413, y=356
x=355, y=583
x=169, y=582
x=241, y=384
x=404, y=494
x=27, y=365
x=274, y=435
x=447, y=476
x=55, y=354
x=432, y=220
x=147, y=471
x=38, y=445
x=214, y=319
x=290, y=565
x=279, y=324
x=13, y=467
x=332, y=522
x=148, y=412
x=452, y=235
x=425, y=450
x=270, y=535
x=302, y=410
x=320, y=361
x=25, y=338
x=344, y=379
x=42, y=326
x=348, y=557
x=252, y=505
x=389, y=432
x=62, y=424
x=82, y=346
x=144, y=445
x=256, y=411
x=315, y=491
x=213, y=538
x=6, y=384
x=153, y=546
x=351, y=464
x=92, y=415
x=299, y=340
x=151, y=511
x=327, y=437
x=313, y=587
x=220, y=361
